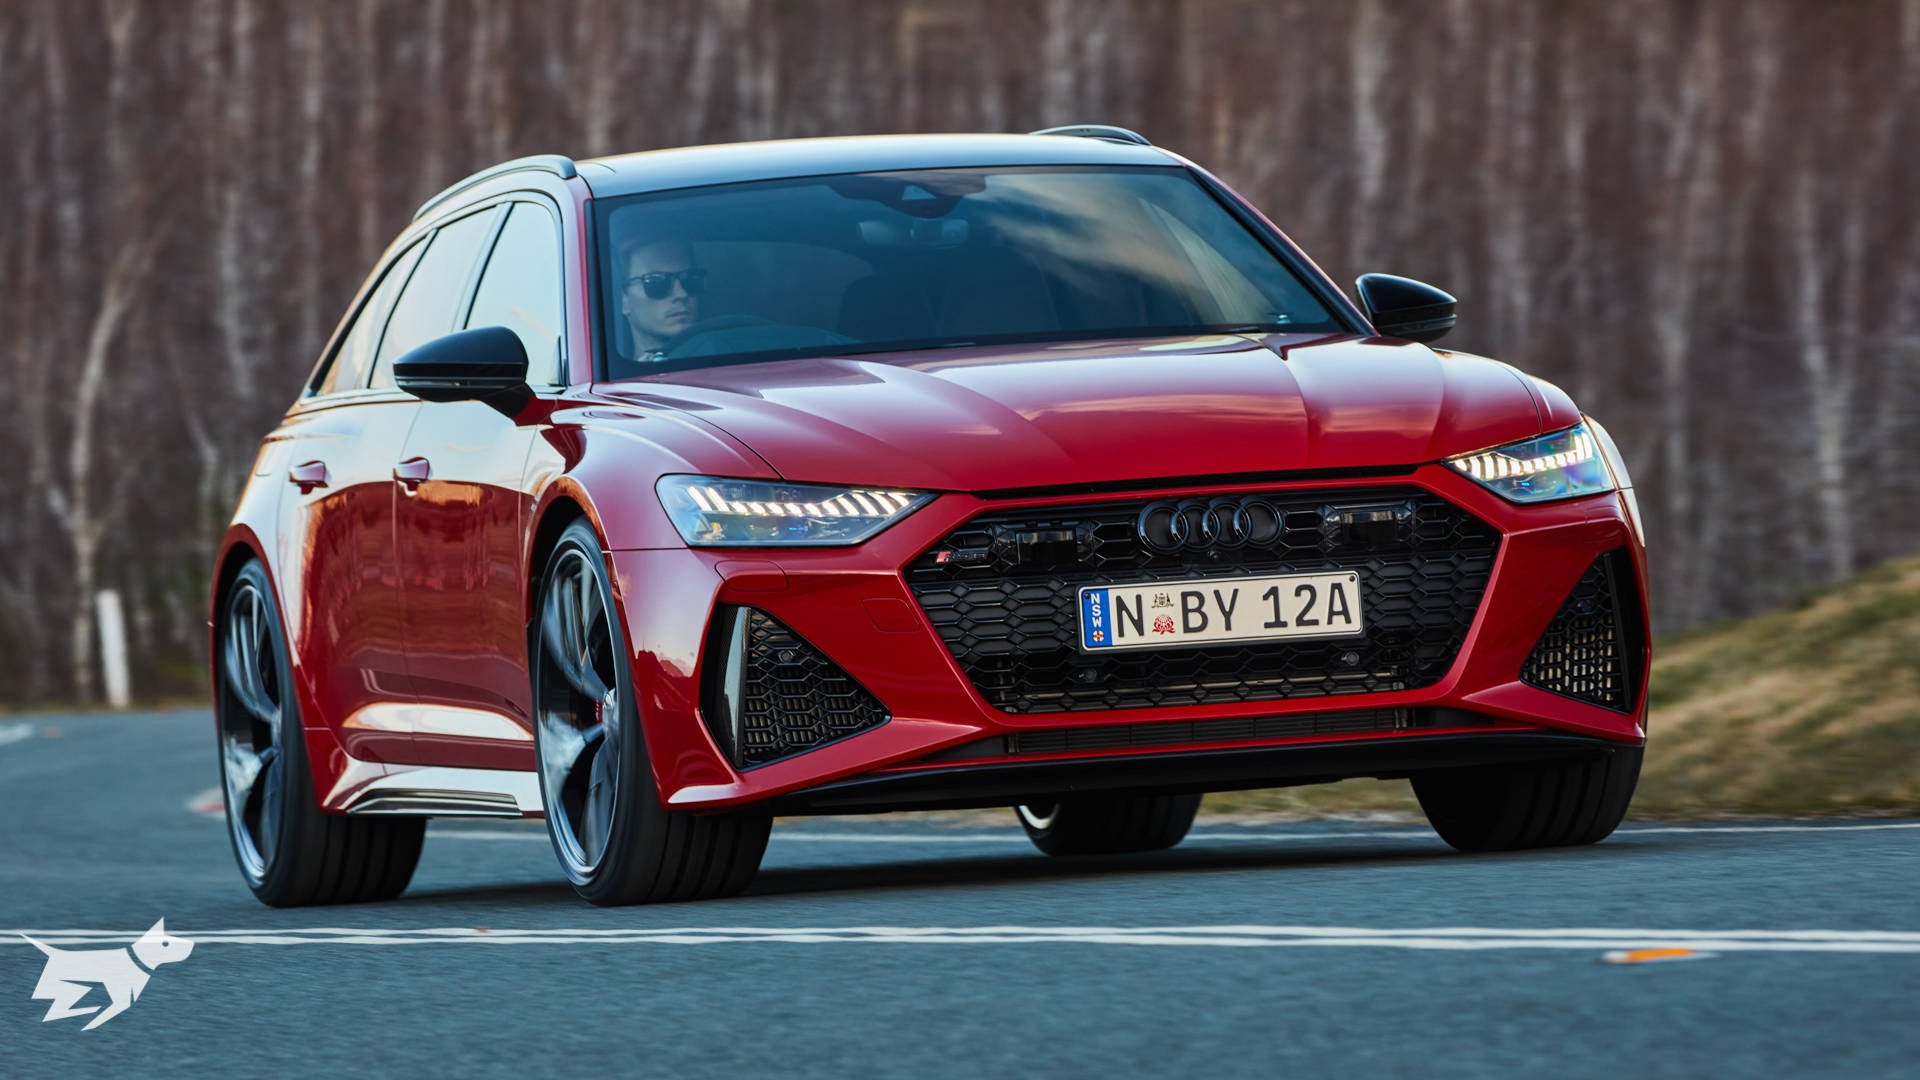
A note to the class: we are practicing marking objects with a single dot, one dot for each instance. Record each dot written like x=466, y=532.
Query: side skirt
x=441, y=791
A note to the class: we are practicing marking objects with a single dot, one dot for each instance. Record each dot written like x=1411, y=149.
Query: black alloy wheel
x=579, y=713
x=615, y=841
x=290, y=853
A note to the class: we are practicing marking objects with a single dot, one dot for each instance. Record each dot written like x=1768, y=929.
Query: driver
x=660, y=295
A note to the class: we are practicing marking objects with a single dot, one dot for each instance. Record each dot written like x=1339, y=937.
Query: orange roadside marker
x=1645, y=956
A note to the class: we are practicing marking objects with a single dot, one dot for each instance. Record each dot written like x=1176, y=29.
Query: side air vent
x=1595, y=647
x=770, y=694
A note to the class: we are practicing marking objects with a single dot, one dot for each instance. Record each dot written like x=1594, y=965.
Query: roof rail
x=1098, y=131
x=557, y=164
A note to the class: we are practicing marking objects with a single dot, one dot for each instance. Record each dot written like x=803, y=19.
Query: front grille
x=1594, y=648
x=1002, y=590
x=771, y=695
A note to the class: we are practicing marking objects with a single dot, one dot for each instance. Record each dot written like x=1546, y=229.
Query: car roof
x=700, y=166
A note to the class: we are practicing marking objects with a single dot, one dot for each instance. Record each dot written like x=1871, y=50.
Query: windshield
x=881, y=262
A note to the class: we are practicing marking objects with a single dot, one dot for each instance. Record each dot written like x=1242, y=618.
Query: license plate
x=1164, y=613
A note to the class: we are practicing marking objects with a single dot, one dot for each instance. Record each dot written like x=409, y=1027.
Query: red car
x=662, y=494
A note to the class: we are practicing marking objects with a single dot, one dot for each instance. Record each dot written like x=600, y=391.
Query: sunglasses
x=659, y=284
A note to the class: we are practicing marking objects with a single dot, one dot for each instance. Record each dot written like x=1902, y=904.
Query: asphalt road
x=887, y=947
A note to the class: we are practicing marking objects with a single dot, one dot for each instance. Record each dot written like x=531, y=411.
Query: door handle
x=312, y=474
x=412, y=471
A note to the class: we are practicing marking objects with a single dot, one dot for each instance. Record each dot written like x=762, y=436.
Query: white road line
x=1911, y=936
x=1651, y=829
x=1229, y=936
x=1241, y=837
x=1139, y=937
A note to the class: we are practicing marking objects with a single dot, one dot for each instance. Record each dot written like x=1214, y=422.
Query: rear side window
x=425, y=308
x=520, y=289
x=349, y=367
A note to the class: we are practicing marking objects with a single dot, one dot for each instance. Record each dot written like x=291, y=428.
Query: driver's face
x=654, y=321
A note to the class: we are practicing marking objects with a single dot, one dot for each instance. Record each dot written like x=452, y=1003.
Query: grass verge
x=1811, y=710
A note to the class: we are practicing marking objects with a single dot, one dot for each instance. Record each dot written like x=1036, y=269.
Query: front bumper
x=1005, y=783
x=854, y=605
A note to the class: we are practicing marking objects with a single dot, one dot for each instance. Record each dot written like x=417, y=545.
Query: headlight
x=1622, y=479
x=1610, y=453
x=712, y=511
x=1557, y=466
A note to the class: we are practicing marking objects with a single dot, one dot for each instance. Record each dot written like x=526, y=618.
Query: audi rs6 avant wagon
x=662, y=494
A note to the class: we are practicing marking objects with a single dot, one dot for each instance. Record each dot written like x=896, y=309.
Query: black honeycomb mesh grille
x=1592, y=651
x=792, y=698
x=1004, y=599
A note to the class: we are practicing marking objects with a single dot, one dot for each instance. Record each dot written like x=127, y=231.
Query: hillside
x=1813, y=709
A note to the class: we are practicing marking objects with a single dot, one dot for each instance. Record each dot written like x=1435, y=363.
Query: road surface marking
x=1665, y=943
x=1010, y=837
x=1652, y=956
x=1652, y=829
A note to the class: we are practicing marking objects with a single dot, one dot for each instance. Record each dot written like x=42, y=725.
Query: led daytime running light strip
x=853, y=504
x=1494, y=465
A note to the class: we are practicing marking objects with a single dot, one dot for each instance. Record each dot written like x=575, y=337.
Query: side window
x=425, y=308
x=349, y=367
x=521, y=289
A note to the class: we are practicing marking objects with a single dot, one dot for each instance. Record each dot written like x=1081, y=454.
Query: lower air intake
x=770, y=694
x=1594, y=649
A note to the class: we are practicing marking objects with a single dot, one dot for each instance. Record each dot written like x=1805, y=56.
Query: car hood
x=970, y=419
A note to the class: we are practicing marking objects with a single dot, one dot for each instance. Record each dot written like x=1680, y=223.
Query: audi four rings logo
x=1199, y=524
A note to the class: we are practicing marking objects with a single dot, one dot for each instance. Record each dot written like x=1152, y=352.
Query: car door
x=462, y=515
x=341, y=522
x=341, y=579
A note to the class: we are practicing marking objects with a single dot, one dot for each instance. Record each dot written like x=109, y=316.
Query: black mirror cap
x=1405, y=308
x=482, y=364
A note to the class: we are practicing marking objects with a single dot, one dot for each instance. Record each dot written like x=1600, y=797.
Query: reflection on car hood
x=970, y=419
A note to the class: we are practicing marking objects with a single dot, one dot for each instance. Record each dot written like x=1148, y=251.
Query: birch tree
x=1697, y=217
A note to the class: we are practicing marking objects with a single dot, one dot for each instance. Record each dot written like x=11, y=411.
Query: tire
x=1530, y=806
x=1109, y=825
x=615, y=841
x=290, y=853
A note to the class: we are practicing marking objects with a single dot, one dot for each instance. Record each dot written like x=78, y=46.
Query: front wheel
x=289, y=852
x=1511, y=807
x=1109, y=825
x=616, y=842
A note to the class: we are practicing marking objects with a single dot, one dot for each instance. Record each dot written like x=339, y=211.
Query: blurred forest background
x=1698, y=217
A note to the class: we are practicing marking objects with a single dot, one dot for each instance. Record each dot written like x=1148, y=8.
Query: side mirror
x=1405, y=308
x=484, y=364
